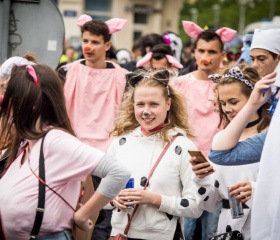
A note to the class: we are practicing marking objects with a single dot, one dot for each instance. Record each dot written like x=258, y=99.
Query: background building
x=144, y=16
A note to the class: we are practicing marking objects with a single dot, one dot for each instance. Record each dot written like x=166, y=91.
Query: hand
x=139, y=196
x=257, y=98
x=84, y=224
x=242, y=190
x=119, y=203
x=201, y=170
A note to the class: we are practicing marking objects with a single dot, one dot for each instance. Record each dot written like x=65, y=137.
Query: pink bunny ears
x=193, y=30
x=149, y=55
x=114, y=24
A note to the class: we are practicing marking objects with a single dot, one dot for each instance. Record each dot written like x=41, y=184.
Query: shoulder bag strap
x=41, y=196
x=246, y=220
x=150, y=175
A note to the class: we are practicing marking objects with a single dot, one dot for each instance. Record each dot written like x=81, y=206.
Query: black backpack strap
x=41, y=195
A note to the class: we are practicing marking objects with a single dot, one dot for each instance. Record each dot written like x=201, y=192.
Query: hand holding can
x=235, y=206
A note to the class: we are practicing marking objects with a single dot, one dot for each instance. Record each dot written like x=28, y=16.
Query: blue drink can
x=130, y=184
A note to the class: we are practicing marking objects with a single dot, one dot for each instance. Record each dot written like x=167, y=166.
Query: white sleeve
x=207, y=193
x=185, y=205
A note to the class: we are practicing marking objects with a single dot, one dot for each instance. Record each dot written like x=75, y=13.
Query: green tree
x=228, y=13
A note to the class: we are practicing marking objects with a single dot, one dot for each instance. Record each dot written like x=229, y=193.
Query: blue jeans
x=209, y=223
x=65, y=235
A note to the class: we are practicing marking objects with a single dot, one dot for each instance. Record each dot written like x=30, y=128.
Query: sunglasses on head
x=161, y=76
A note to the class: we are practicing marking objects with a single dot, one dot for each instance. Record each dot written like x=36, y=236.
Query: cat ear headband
x=162, y=76
x=235, y=73
x=114, y=24
x=193, y=30
x=149, y=55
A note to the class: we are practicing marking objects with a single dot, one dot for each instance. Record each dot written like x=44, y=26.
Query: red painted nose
x=87, y=49
x=205, y=61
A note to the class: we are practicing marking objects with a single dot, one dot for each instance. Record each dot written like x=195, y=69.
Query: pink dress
x=67, y=163
x=202, y=116
x=93, y=97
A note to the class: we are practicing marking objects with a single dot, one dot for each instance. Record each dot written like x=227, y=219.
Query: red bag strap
x=150, y=175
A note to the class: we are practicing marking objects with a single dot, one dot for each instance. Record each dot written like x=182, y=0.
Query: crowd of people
x=116, y=115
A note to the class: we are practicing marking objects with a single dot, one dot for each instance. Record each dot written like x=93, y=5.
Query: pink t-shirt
x=202, y=116
x=93, y=97
x=67, y=163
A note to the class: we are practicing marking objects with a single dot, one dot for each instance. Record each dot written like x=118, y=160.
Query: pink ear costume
x=193, y=30
x=93, y=96
x=114, y=24
x=199, y=93
x=149, y=55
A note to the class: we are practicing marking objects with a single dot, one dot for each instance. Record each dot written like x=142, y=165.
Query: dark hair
x=97, y=27
x=209, y=35
x=252, y=75
x=274, y=55
x=150, y=40
x=28, y=110
x=159, y=51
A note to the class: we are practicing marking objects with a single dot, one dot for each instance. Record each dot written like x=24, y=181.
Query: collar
x=152, y=131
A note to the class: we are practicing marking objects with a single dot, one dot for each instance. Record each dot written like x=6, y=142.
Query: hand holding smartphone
x=199, y=156
x=200, y=172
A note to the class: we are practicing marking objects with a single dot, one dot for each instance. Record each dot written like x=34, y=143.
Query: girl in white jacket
x=151, y=114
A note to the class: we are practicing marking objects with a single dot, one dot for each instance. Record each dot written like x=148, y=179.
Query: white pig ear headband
x=173, y=61
x=114, y=24
x=193, y=30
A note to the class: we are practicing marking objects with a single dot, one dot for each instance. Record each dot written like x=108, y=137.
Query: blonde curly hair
x=177, y=115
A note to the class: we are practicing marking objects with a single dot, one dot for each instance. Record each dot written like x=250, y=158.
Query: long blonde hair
x=177, y=115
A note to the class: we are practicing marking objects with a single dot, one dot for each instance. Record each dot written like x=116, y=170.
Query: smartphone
x=198, y=154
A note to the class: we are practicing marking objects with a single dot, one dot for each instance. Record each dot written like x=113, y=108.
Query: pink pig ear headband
x=114, y=24
x=193, y=30
x=173, y=61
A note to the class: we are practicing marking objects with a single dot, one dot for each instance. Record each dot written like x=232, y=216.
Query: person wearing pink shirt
x=93, y=90
x=44, y=152
x=198, y=90
x=93, y=86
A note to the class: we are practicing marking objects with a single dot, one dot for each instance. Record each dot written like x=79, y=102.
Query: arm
x=114, y=177
x=184, y=205
x=176, y=196
x=207, y=195
x=245, y=152
x=231, y=134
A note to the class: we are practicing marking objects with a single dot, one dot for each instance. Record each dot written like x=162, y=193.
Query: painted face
x=150, y=106
x=94, y=49
x=159, y=64
x=231, y=98
x=208, y=55
x=263, y=61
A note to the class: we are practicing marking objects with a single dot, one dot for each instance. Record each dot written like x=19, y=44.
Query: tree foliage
x=228, y=14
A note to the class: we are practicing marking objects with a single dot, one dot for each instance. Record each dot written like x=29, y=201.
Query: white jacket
x=171, y=179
